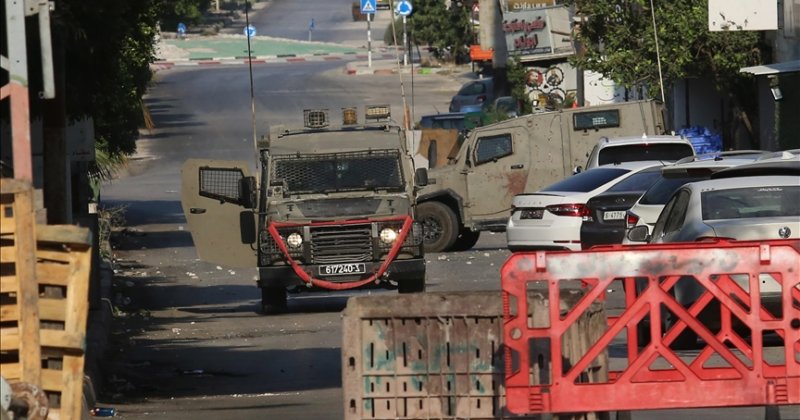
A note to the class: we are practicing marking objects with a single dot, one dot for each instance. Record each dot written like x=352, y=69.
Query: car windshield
x=587, y=181
x=639, y=181
x=355, y=171
x=663, y=188
x=637, y=152
x=475, y=88
x=752, y=202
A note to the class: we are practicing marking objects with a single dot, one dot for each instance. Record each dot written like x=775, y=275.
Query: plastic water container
x=703, y=140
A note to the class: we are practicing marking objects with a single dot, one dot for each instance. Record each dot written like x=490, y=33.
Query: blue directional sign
x=311, y=24
x=368, y=7
x=404, y=8
x=181, y=27
x=250, y=31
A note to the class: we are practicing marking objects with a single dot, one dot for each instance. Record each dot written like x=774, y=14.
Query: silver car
x=739, y=204
x=691, y=169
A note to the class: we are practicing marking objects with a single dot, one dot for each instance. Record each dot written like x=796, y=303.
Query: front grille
x=341, y=244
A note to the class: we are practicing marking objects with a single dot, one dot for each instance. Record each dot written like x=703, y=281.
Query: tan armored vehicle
x=334, y=209
x=473, y=192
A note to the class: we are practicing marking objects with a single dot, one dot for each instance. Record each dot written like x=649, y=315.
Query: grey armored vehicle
x=333, y=209
x=473, y=192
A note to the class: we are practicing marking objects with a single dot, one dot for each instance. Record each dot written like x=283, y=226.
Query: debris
x=469, y=262
x=441, y=257
x=233, y=273
x=176, y=331
x=486, y=254
x=180, y=227
x=219, y=268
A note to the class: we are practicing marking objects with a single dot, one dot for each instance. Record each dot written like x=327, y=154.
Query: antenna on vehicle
x=658, y=53
x=252, y=92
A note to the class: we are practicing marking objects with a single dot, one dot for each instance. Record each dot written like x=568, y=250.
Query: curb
x=266, y=59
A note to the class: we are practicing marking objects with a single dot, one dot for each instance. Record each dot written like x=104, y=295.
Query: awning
x=776, y=68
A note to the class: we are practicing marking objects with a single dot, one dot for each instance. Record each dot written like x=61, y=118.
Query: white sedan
x=552, y=217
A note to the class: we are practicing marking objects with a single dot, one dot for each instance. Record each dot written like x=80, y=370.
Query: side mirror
x=639, y=234
x=247, y=192
x=576, y=170
x=421, y=177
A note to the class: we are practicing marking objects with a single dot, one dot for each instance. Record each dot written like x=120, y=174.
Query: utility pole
x=492, y=36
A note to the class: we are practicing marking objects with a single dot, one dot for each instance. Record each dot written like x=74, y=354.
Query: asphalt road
x=189, y=341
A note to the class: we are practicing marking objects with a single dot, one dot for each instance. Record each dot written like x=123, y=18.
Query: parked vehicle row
x=602, y=205
x=743, y=195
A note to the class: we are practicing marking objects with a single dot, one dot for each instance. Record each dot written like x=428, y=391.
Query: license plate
x=614, y=215
x=531, y=214
x=342, y=269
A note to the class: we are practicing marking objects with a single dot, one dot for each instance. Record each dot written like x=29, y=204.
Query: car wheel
x=273, y=300
x=466, y=239
x=439, y=226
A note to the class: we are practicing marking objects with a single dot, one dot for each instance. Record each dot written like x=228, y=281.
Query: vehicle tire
x=439, y=226
x=466, y=239
x=412, y=285
x=273, y=300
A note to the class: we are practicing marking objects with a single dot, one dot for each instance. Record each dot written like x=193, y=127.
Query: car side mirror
x=421, y=177
x=576, y=170
x=247, y=192
x=639, y=234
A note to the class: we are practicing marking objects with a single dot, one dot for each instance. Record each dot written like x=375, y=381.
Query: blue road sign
x=404, y=8
x=311, y=24
x=181, y=27
x=250, y=31
x=368, y=7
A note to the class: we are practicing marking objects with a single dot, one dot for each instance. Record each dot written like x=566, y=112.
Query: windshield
x=662, y=190
x=354, y=171
x=740, y=203
x=587, y=181
x=639, y=181
x=637, y=152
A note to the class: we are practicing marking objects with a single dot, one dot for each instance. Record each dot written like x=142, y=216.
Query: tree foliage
x=108, y=48
x=186, y=11
x=619, y=42
x=446, y=30
x=517, y=75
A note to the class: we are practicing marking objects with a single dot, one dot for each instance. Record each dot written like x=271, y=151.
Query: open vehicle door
x=218, y=199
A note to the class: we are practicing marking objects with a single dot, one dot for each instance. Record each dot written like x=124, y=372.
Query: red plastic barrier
x=732, y=368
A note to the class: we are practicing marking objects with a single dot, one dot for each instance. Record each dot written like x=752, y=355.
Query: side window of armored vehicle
x=492, y=148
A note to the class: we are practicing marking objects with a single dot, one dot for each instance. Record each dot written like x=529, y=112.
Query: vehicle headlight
x=294, y=240
x=388, y=235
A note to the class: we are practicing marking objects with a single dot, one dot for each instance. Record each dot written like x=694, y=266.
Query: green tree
x=517, y=75
x=618, y=42
x=108, y=51
x=448, y=31
x=186, y=11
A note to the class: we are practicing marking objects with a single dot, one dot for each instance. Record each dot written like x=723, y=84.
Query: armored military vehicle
x=333, y=209
x=473, y=192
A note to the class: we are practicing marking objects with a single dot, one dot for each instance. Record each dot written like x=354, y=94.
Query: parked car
x=605, y=223
x=476, y=92
x=552, y=217
x=631, y=149
x=646, y=209
x=758, y=201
